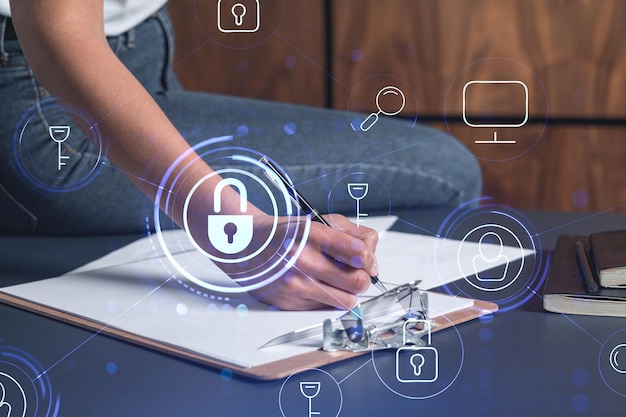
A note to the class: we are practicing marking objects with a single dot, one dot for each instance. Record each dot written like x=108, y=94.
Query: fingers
x=335, y=266
x=351, y=245
x=316, y=264
x=366, y=234
x=316, y=281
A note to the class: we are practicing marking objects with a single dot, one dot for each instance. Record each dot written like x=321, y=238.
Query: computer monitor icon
x=517, y=90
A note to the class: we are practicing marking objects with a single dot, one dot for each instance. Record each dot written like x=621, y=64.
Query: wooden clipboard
x=270, y=371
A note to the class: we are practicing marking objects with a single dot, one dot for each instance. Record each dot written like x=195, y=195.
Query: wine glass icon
x=358, y=191
x=59, y=134
x=310, y=390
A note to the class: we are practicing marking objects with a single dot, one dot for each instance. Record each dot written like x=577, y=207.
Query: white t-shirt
x=119, y=15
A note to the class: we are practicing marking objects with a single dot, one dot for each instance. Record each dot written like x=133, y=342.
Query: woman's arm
x=65, y=45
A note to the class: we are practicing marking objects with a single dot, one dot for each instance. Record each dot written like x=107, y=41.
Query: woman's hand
x=334, y=266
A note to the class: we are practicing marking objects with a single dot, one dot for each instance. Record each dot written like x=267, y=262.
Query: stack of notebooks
x=588, y=275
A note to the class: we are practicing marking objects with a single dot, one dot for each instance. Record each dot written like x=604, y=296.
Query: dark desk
x=522, y=362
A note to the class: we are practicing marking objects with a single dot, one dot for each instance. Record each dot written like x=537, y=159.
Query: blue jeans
x=315, y=146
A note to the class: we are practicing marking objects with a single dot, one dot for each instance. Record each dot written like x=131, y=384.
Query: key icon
x=59, y=134
x=358, y=191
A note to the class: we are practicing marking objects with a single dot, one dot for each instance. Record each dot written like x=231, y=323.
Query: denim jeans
x=315, y=146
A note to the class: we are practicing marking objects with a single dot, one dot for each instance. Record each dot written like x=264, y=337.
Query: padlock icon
x=230, y=233
x=417, y=363
x=238, y=16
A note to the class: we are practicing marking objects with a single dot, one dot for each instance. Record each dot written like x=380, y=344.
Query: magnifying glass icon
x=373, y=117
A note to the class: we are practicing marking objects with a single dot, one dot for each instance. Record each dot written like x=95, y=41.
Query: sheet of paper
x=404, y=257
x=139, y=294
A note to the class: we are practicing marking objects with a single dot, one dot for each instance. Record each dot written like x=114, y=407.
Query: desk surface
x=519, y=362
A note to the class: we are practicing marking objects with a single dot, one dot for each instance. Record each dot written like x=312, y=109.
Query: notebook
x=608, y=250
x=566, y=292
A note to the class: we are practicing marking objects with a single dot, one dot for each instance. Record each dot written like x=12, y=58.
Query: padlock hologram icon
x=238, y=16
x=417, y=363
x=230, y=233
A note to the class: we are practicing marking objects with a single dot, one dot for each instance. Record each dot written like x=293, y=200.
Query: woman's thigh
x=319, y=149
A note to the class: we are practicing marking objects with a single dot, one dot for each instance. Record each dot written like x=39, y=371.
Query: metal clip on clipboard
x=379, y=323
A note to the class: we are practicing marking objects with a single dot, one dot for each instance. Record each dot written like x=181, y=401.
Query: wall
x=569, y=155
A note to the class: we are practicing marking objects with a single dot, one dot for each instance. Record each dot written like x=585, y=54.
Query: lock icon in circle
x=230, y=233
x=238, y=16
x=417, y=363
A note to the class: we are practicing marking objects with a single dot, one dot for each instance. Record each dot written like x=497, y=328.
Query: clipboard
x=270, y=371
x=117, y=281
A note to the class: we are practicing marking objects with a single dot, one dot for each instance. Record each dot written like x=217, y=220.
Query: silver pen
x=307, y=208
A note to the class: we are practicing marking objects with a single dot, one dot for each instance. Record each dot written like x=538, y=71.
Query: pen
x=585, y=269
x=307, y=208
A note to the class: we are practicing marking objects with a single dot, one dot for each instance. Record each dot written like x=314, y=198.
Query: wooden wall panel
x=571, y=168
x=288, y=66
x=575, y=47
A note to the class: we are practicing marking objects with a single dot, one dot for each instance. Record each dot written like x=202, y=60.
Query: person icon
x=4, y=406
x=490, y=255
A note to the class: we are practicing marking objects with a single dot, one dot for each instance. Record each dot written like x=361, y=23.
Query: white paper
x=404, y=257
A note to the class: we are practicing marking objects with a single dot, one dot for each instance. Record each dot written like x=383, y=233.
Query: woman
x=107, y=64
